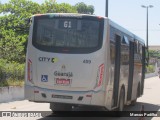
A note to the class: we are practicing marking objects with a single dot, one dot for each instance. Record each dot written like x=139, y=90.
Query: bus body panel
x=67, y=67
x=82, y=84
x=82, y=79
x=64, y=68
x=78, y=75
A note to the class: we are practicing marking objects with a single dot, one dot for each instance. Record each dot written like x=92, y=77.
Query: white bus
x=77, y=59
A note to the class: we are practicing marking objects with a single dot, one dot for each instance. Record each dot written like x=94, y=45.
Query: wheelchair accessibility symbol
x=44, y=78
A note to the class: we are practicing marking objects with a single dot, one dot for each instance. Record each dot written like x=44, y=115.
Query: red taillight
x=100, y=75
x=99, y=17
x=29, y=72
x=36, y=91
x=88, y=95
x=38, y=14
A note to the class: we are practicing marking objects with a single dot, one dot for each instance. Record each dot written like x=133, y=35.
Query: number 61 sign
x=67, y=24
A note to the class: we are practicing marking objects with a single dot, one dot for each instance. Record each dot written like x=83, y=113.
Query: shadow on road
x=137, y=107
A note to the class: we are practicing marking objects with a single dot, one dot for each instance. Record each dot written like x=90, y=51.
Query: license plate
x=60, y=81
x=62, y=97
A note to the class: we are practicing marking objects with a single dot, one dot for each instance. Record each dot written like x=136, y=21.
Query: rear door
x=131, y=70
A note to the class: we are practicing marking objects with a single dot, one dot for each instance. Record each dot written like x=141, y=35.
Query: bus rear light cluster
x=100, y=75
x=88, y=95
x=36, y=91
x=29, y=71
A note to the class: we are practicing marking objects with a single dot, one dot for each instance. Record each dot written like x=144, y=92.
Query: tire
x=121, y=100
x=133, y=102
x=55, y=107
x=138, y=91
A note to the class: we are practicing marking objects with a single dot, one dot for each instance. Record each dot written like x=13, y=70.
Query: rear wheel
x=133, y=102
x=55, y=107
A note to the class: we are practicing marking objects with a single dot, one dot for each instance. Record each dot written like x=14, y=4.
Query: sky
x=127, y=13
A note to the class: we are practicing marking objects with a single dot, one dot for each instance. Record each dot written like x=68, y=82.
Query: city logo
x=63, y=74
x=44, y=78
x=47, y=59
x=63, y=68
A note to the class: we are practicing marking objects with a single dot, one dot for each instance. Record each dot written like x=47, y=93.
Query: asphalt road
x=150, y=100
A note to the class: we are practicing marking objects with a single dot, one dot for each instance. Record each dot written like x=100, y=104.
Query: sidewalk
x=151, y=95
x=151, y=90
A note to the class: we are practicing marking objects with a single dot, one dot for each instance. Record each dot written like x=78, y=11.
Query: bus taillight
x=29, y=71
x=100, y=75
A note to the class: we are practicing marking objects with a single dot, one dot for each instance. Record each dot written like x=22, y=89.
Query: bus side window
x=112, y=52
x=140, y=51
x=135, y=47
x=125, y=51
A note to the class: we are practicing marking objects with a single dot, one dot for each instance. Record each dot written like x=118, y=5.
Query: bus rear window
x=72, y=34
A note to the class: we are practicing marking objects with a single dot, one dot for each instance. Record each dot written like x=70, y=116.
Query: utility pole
x=149, y=6
x=106, y=13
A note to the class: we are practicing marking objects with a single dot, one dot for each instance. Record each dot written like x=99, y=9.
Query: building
x=155, y=60
x=154, y=47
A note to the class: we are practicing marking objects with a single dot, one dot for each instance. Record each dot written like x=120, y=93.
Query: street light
x=149, y=6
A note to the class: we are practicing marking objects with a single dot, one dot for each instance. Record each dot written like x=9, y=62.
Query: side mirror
x=28, y=21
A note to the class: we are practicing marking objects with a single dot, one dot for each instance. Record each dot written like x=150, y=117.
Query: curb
x=149, y=75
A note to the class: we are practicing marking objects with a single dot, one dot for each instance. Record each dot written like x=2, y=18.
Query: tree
x=66, y=8
x=14, y=29
x=90, y=9
x=51, y=6
x=83, y=8
x=154, y=53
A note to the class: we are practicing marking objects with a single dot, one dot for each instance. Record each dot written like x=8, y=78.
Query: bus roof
x=67, y=15
x=126, y=31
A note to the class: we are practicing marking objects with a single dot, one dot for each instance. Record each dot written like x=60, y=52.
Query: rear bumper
x=38, y=94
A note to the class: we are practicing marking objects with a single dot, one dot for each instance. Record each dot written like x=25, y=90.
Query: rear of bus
x=65, y=59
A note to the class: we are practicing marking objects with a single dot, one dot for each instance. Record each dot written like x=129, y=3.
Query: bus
x=83, y=60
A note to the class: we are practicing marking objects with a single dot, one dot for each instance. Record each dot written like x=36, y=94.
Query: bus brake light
x=100, y=75
x=29, y=71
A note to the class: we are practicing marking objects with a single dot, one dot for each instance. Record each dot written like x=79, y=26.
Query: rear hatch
x=68, y=45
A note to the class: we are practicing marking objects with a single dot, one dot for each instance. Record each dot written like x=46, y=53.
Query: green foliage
x=154, y=53
x=90, y=9
x=150, y=69
x=14, y=32
x=11, y=70
x=14, y=28
x=83, y=8
x=51, y=6
x=11, y=82
x=66, y=8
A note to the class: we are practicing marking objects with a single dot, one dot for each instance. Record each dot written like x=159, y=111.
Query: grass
x=11, y=82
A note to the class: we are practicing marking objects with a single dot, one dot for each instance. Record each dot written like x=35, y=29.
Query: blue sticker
x=44, y=78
